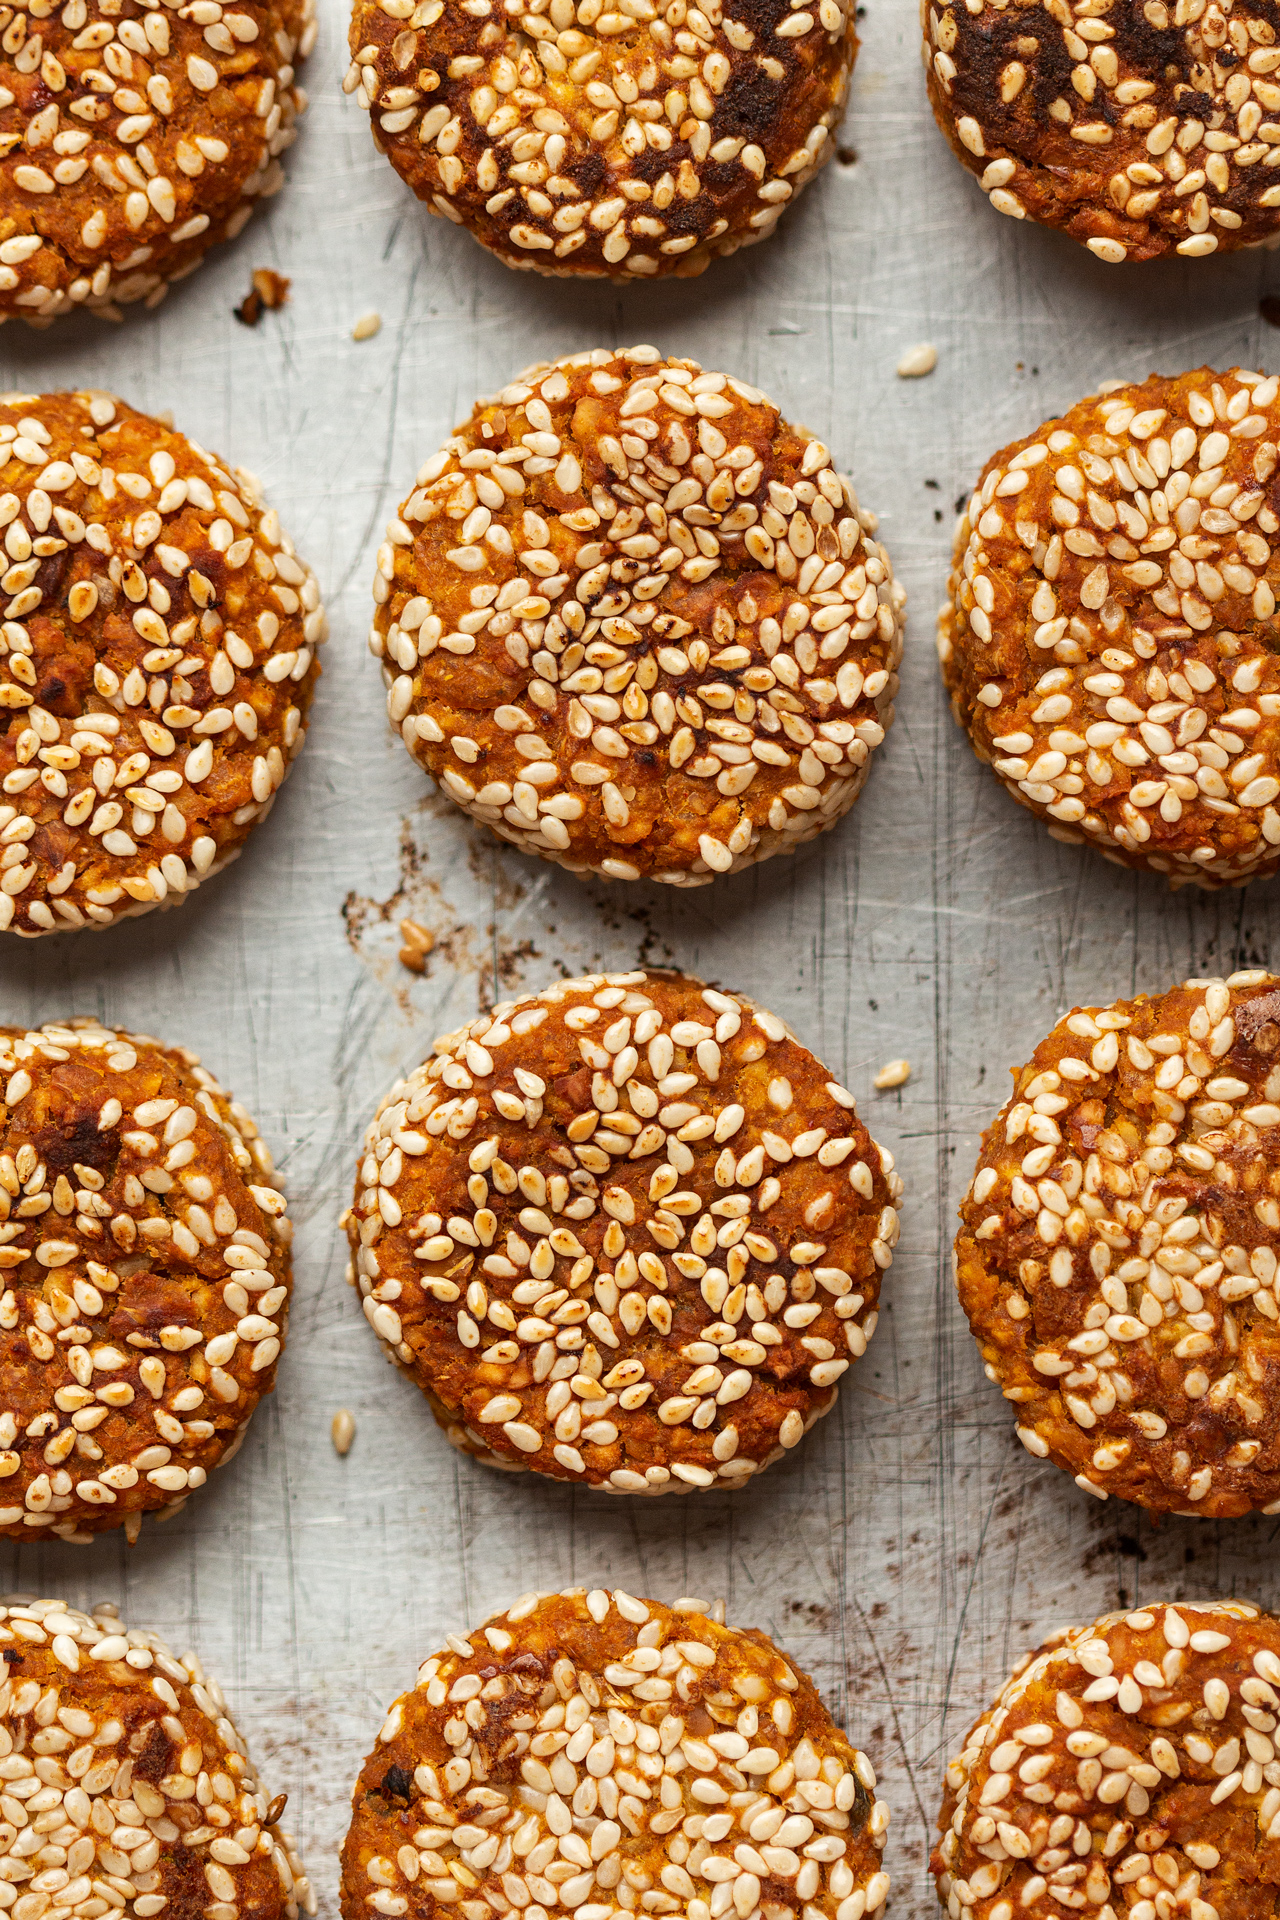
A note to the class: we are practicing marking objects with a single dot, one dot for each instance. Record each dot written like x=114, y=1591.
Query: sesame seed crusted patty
x=125, y=1787
x=636, y=623
x=1117, y=1254
x=618, y=137
x=1128, y=1767
x=1110, y=638
x=144, y=1279
x=157, y=660
x=133, y=140
x=1140, y=130
x=608, y=1755
x=627, y=1231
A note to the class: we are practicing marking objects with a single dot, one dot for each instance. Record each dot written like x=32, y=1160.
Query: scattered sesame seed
x=366, y=326
x=343, y=1431
x=917, y=362
x=418, y=942
x=895, y=1074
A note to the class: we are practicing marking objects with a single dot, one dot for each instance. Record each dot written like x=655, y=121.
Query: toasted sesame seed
x=917, y=362
x=366, y=326
x=895, y=1074
x=343, y=1430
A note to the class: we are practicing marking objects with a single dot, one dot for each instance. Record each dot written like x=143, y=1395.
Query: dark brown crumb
x=269, y=291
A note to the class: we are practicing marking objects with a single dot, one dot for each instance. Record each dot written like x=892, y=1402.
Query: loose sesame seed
x=917, y=362
x=366, y=326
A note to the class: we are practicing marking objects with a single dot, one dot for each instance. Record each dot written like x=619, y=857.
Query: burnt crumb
x=13, y=1657
x=589, y=174
x=1269, y=308
x=268, y=292
x=847, y=156
x=397, y=1784
x=78, y=1141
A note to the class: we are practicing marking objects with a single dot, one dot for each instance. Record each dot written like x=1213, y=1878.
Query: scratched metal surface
x=909, y=1549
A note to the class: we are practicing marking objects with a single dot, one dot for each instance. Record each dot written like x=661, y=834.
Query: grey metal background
x=909, y=1549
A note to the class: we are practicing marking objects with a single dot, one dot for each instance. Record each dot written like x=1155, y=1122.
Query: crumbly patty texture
x=1118, y=1253
x=1145, y=131
x=144, y=1279
x=157, y=660
x=133, y=140
x=636, y=623
x=600, y=139
x=608, y=1755
x=1129, y=1765
x=1110, y=637
x=627, y=1231
x=126, y=1787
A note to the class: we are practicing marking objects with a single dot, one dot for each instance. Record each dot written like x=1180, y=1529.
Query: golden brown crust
x=590, y=141
x=1117, y=1253
x=145, y=1794
x=613, y=1755
x=1140, y=132
x=1131, y=1765
x=133, y=140
x=636, y=623
x=157, y=661
x=1110, y=637
x=574, y=1303
x=144, y=1279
